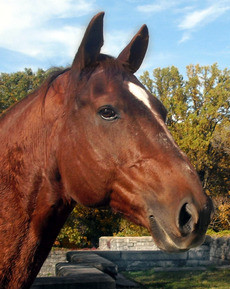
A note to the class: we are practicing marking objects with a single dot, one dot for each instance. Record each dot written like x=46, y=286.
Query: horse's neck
x=27, y=148
x=32, y=209
x=27, y=243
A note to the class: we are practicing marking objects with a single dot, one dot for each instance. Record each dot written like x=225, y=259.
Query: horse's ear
x=91, y=43
x=134, y=53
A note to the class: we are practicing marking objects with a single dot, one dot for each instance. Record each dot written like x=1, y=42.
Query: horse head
x=114, y=147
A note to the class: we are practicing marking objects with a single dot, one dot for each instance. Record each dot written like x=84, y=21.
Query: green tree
x=15, y=86
x=85, y=226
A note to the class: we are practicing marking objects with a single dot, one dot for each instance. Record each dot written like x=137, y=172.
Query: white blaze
x=139, y=93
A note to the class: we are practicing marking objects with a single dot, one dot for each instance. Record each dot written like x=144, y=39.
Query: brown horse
x=92, y=134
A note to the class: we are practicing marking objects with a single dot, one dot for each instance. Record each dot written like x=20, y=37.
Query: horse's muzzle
x=191, y=225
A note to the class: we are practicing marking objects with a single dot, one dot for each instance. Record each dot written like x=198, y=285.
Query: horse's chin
x=169, y=244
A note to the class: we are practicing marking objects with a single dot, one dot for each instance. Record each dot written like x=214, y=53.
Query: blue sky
x=45, y=33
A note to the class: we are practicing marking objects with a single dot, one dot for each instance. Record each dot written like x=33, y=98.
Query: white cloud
x=43, y=43
x=27, y=26
x=197, y=18
x=30, y=27
x=157, y=6
x=185, y=37
x=189, y=16
x=200, y=17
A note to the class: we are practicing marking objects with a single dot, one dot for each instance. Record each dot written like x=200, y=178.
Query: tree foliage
x=221, y=219
x=85, y=226
x=15, y=86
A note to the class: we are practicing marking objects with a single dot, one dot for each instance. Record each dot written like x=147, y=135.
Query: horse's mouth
x=169, y=243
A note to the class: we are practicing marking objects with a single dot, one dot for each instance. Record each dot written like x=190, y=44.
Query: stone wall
x=136, y=253
x=214, y=251
x=127, y=243
x=55, y=256
x=220, y=251
x=144, y=260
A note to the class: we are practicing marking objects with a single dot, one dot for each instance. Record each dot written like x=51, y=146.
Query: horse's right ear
x=91, y=44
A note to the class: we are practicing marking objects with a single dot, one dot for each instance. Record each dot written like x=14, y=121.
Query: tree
x=85, y=226
x=15, y=86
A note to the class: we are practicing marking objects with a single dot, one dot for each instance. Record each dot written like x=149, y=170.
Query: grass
x=211, y=278
x=224, y=233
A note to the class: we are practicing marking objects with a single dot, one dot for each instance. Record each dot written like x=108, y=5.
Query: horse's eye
x=108, y=113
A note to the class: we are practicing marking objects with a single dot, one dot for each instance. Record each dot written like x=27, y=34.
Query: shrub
x=221, y=219
x=85, y=226
x=129, y=229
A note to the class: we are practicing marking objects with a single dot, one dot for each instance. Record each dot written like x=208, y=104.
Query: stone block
x=192, y=263
x=204, y=247
x=113, y=256
x=85, y=275
x=221, y=241
x=121, y=265
x=73, y=282
x=208, y=240
x=119, y=243
x=205, y=263
x=95, y=261
x=166, y=263
x=140, y=265
x=48, y=268
x=137, y=255
x=152, y=255
x=198, y=255
x=179, y=263
x=177, y=256
x=135, y=265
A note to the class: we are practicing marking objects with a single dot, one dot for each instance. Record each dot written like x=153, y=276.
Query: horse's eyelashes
x=108, y=113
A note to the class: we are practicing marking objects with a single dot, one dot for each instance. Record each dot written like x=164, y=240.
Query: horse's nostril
x=151, y=217
x=186, y=219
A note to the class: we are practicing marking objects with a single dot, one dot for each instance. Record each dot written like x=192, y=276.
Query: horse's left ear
x=91, y=44
x=134, y=53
